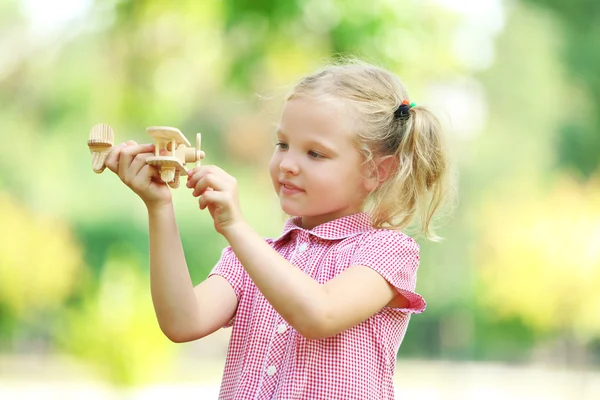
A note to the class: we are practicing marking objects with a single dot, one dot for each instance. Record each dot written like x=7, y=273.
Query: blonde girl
x=320, y=311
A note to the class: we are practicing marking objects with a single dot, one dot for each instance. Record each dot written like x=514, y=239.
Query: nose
x=288, y=164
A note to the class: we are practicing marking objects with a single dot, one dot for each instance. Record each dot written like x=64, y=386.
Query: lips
x=289, y=187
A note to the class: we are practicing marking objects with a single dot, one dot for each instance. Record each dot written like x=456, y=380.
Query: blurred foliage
x=113, y=328
x=74, y=246
x=40, y=264
x=39, y=261
x=578, y=22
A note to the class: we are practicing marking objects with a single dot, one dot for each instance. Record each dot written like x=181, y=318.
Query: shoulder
x=386, y=247
x=386, y=238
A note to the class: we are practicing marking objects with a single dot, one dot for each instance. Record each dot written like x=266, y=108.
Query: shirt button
x=302, y=247
x=271, y=370
x=281, y=328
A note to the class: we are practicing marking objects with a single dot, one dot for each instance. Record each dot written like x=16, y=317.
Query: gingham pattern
x=268, y=359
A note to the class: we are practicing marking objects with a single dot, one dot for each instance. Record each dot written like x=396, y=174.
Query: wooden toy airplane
x=171, y=166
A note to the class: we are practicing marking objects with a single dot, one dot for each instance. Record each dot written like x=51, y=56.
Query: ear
x=380, y=170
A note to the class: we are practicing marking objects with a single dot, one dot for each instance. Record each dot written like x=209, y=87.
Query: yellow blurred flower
x=39, y=260
x=540, y=258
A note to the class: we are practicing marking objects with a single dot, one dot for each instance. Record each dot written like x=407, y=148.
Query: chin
x=292, y=212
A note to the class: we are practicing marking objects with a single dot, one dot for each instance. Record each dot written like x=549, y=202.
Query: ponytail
x=418, y=186
x=423, y=168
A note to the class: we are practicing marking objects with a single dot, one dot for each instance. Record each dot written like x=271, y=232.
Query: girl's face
x=316, y=170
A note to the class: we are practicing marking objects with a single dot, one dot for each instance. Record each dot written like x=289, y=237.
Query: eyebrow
x=312, y=143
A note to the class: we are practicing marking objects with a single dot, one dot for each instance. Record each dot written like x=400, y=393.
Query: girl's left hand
x=217, y=191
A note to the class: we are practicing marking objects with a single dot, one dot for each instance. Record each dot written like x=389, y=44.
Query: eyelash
x=311, y=153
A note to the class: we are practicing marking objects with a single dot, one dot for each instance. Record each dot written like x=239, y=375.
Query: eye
x=314, y=154
x=282, y=145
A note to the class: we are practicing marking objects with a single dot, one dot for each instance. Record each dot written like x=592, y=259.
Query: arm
x=314, y=310
x=184, y=313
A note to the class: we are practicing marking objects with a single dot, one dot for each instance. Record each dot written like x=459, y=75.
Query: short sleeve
x=395, y=256
x=230, y=268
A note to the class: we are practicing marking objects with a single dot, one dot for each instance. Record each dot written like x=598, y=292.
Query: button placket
x=275, y=360
x=302, y=244
x=281, y=328
x=302, y=247
x=271, y=370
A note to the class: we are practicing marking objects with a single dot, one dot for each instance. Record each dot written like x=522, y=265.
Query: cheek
x=274, y=168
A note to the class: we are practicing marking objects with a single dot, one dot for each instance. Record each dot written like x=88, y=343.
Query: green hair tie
x=413, y=104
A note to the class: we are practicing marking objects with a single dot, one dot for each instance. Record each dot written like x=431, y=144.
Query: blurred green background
x=514, y=283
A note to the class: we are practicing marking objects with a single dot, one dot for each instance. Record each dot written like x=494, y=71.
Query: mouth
x=289, y=186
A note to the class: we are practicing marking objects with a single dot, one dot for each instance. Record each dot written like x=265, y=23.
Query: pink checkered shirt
x=268, y=359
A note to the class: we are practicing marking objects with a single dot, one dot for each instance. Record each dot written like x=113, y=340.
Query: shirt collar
x=337, y=229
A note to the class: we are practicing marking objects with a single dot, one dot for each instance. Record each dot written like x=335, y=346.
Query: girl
x=319, y=312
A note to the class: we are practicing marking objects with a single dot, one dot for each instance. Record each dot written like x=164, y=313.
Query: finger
x=210, y=181
x=202, y=202
x=145, y=176
x=112, y=159
x=198, y=185
x=139, y=162
x=193, y=175
x=127, y=155
x=193, y=171
x=204, y=193
x=204, y=169
x=210, y=197
x=198, y=173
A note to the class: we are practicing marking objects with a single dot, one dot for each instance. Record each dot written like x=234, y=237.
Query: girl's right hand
x=128, y=161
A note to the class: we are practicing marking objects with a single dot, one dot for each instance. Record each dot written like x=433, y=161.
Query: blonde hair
x=417, y=187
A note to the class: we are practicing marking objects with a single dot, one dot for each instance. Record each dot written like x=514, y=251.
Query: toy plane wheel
x=168, y=166
x=174, y=184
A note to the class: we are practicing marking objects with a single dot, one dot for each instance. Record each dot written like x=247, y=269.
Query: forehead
x=325, y=118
